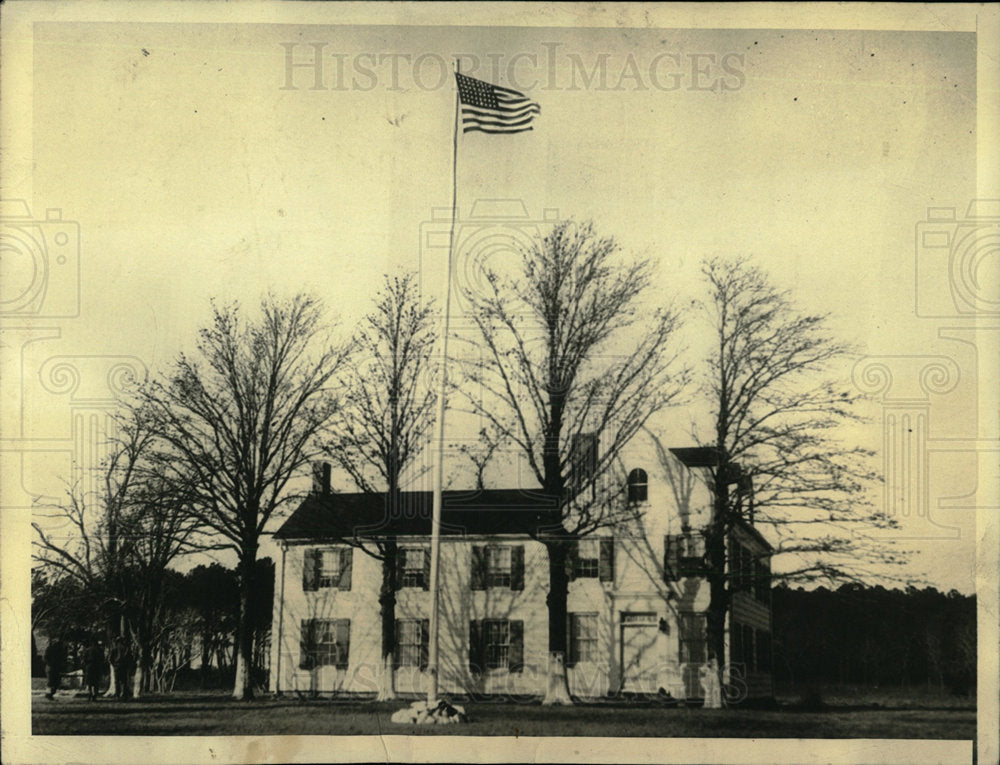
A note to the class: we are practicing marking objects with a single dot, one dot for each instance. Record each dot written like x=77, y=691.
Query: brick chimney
x=321, y=478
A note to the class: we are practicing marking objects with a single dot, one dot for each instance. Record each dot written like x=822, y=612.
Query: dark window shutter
x=670, y=558
x=475, y=646
x=395, y=646
x=736, y=643
x=606, y=570
x=517, y=567
x=344, y=641
x=478, y=567
x=306, y=644
x=310, y=570
x=346, y=558
x=399, y=568
x=427, y=568
x=425, y=631
x=763, y=585
x=515, y=658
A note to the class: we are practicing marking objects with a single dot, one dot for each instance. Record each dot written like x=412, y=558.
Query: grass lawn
x=206, y=714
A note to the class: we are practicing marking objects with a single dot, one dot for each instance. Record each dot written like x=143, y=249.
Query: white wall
x=677, y=497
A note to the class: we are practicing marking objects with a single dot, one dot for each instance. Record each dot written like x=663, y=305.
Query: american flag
x=491, y=108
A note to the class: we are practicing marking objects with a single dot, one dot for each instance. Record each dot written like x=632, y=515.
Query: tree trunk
x=387, y=612
x=557, y=688
x=243, y=684
x=718, y=606
x=137, y=680
x=143, y=681
x=116, y=628
x=206, y=657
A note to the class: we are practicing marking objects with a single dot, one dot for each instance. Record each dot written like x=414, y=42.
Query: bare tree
x=117, y=547
x=480, y=454
x=388, y=410
x=569, y=376
x=237, y=422
x=776, y=411
x=161, y=530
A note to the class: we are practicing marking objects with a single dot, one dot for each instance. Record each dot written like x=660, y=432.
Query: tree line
x=194, y=625
x=571, y=354
x=873, y=636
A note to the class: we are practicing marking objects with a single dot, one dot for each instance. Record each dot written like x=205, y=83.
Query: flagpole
x=432, y=648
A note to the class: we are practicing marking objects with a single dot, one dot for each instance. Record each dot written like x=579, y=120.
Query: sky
x=220, y=161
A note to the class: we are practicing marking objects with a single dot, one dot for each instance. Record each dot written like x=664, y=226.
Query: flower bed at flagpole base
x=422, y=713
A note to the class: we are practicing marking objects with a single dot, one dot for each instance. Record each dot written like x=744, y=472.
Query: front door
x=639, y=637
x=693, y=641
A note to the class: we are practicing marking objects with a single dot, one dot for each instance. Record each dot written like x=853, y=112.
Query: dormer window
x=638, y=486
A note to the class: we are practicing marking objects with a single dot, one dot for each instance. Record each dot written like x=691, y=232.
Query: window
x=327, y=567
x=736, y=643
x=583, y=464
x=414, y=566
x=762, y=580
x=638, y=486
x=741, y=645
x=763, y=644
x=594, y=559
x=496, y=644
x=497, y=566
x=749, y=654
x=330, y=567
x=684, y=555
x=325, y=642
x=692, y=638
x=582, y=637
x=638, y=617
x=587, y=562
x=741, y=567
x=411, y=642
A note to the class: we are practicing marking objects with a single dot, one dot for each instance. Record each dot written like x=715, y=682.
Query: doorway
x=639, y=638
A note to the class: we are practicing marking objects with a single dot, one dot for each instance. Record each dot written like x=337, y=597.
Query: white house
x=637, y=598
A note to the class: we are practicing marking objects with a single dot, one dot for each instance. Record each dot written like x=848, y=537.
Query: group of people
x=94, y=665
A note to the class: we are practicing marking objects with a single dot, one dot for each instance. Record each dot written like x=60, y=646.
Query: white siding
x=678, y=498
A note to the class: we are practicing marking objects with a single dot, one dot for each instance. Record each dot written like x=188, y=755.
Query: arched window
x=638, y=486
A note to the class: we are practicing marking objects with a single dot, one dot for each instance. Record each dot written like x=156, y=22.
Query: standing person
x=120, y=659
x=93, y=667
x=55, y=663
x=710, y=683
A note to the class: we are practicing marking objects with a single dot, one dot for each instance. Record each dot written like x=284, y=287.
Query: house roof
x=750, y=529
x=699, y=456
x=484, y=512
